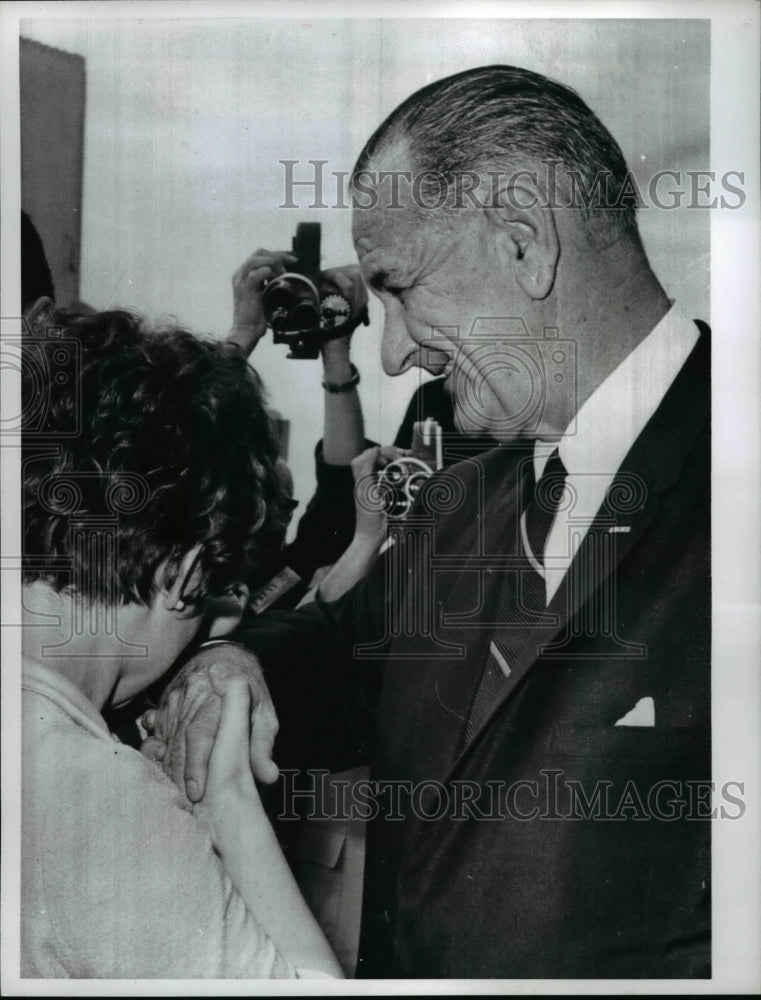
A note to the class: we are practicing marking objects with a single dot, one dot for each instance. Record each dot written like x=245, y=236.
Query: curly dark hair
x=171, y=447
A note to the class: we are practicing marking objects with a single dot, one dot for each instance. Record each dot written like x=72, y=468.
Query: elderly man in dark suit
x=528, y=667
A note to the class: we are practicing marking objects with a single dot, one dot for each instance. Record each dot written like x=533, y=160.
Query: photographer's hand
x=371, y=521
x=348, y=282
x=249, y=282
x=344, y=434
x=370, y=531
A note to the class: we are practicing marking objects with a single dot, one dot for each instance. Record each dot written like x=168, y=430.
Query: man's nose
x=398, y=348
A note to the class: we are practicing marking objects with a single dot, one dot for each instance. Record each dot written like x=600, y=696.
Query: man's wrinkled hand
x=184, y=726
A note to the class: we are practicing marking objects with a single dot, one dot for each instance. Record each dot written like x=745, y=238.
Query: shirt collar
x=612, y=418
x=51, y=684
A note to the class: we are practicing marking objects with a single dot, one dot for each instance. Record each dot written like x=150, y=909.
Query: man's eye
x=396, y=290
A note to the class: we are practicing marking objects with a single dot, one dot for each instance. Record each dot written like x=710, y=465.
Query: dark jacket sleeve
x=327, y=525
x=429, y=400
x=325, y=697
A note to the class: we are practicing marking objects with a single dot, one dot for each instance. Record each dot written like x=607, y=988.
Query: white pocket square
x=643, y=714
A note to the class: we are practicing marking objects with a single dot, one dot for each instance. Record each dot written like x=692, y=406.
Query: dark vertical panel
x=52, y=92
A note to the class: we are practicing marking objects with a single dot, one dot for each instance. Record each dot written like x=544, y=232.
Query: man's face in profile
x=442, y=283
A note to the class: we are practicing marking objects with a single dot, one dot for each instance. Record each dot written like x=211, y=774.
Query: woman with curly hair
x=150, y=488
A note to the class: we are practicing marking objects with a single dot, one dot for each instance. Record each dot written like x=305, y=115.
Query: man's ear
x=185, y=581
x=527, y=233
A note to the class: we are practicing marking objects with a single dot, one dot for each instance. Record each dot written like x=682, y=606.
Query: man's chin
x=462, y=425
x=467, y=425
x=503, y=433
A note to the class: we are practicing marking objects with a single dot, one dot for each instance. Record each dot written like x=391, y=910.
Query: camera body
x=303, y=308
x=401, y=481
x=403, y=478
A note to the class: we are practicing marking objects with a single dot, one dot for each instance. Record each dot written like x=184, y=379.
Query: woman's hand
x=244, y=840
x=229, y=781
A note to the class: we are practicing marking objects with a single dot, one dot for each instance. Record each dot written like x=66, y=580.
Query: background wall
x=186, y=122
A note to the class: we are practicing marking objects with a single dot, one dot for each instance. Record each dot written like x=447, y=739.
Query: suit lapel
x=477, y=559
x=654, y=464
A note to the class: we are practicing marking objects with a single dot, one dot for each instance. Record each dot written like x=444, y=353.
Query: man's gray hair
x=503, y=118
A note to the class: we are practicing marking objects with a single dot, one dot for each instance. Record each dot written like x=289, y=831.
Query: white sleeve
x=134, y=886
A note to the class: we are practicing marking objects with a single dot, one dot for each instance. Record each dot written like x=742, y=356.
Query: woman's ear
x=185, y=581
x=527, y=233
x=39, y=315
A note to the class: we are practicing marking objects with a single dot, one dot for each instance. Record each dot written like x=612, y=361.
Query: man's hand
x=185, y=725
x=249, y=282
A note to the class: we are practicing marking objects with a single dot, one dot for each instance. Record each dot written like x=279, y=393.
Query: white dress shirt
x=605, y=428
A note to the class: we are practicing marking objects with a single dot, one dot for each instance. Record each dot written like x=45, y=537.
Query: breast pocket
x=617, y=743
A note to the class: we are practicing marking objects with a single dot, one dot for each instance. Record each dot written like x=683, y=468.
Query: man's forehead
x=380, y=228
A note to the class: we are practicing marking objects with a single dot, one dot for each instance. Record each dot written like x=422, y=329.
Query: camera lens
x=304, y=316
x=292, y=303
x=278, y=296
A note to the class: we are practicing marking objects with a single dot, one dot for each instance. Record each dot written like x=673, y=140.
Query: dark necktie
x=523, y=599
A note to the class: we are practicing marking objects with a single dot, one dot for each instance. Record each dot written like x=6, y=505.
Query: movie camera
x=303, y=306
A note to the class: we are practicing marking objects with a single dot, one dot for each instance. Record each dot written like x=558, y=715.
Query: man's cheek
x=471, y=413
